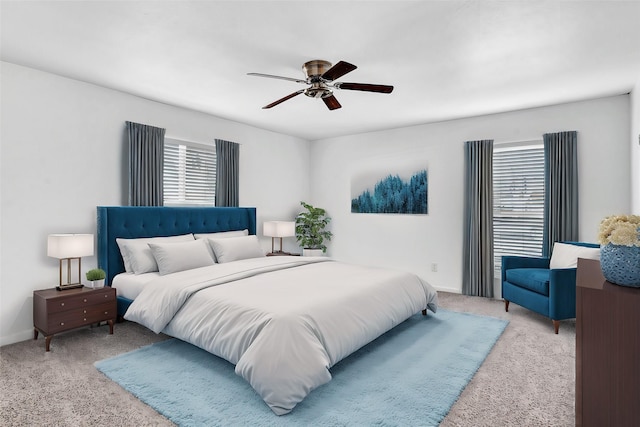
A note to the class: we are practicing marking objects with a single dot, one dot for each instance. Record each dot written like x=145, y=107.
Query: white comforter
x=283, y=321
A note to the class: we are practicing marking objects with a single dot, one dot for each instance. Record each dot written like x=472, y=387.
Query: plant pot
x=312, y=252
x=621, y=264
x=96, y=283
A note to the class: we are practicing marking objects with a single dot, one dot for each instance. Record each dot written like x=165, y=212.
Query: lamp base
x=281, y=253
x=71, y=286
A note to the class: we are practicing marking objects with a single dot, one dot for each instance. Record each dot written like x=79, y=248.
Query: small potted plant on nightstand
x=310, y=230
x=96, y=277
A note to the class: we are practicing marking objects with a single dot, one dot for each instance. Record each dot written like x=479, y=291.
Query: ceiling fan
x=320, y=75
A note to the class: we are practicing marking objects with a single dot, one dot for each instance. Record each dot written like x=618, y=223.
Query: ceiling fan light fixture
x=318, y=90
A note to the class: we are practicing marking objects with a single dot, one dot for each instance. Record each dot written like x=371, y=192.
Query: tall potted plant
x=310, y=230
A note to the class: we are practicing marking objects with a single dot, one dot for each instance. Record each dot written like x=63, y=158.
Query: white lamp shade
x=279, y=228
x=69, y=245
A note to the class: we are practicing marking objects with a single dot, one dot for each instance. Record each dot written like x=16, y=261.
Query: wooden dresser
x=58, y=311
x=607, y=350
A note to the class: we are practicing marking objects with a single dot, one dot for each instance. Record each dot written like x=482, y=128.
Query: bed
x=282, y=321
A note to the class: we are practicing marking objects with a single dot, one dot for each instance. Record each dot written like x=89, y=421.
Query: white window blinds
x=189, y=173
x=518, y=200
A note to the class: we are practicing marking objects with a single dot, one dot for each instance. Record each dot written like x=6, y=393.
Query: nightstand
x=58, y=311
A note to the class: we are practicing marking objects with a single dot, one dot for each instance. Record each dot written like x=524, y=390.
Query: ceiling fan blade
x=281, y=100
x=291, y=79
x=338, y=70
x=364, y=87
x=331, y=102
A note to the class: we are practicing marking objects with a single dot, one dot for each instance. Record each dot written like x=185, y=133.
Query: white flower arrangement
x=621, y=230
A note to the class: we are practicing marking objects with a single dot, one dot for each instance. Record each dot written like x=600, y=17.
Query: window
x=189, y=173
x=518, y=200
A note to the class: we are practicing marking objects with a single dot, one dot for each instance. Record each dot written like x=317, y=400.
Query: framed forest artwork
x=401, y=190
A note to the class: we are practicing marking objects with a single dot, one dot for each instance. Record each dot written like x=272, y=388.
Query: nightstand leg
x=47, y=342
x=35, y=334
x=110, y=322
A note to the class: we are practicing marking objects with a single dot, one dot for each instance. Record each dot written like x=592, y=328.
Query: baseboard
x=447, y=289
x=497, y=294
x=14, y=338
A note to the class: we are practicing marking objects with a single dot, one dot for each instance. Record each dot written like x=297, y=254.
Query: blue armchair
x=530, y=283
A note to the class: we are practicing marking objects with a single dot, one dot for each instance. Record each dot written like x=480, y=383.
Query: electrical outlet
x=434, y=267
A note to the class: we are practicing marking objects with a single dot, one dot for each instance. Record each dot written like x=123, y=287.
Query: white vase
x=96, y=283
x=312, y=252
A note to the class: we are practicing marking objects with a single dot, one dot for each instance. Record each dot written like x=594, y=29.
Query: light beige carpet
x=528, y=378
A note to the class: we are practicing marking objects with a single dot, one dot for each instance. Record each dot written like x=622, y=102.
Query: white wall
x=62, y=151
x=416, y=242
x=635, y=149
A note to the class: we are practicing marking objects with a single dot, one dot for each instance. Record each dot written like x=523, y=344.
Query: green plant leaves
x=310, y=227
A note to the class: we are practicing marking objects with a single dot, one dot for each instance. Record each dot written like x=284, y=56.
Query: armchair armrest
x=562, y=293
x=509, y=262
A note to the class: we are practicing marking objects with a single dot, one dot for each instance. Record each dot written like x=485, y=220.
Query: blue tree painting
x=393, y=195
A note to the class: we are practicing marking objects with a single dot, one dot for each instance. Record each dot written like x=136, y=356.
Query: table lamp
x=67, y=247
x=279, y=229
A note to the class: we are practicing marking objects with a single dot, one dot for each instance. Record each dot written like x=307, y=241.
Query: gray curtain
x=146, y=163
x=227, y=173
x=560, y=189
x=477, y=276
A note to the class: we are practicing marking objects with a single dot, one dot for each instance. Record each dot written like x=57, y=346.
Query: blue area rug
x=411, y=375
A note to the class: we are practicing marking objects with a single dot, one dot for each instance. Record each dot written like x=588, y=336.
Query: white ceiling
x=446, y=59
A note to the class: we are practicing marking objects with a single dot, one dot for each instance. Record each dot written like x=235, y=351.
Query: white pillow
x=220, y=235
x=236, y=248
x=566, y=255
x=137, y=255
x=179, y=256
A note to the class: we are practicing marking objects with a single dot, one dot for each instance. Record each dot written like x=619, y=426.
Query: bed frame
x=131, y=222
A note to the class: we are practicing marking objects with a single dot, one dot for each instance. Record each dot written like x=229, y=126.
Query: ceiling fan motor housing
x=314, y=71
x=317, y=67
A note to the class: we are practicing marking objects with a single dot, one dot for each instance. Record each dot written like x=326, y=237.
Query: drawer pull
x=61, y=304
x=84, y=311
x=106, y=296
x=61, y=323
x=85, y=319
x=106, y=312
x=85, y=300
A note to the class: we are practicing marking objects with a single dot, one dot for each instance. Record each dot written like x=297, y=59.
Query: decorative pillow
x=566, y=255
x=236, y=248
x=137, y=255
x=179, y=256
x=220, y=235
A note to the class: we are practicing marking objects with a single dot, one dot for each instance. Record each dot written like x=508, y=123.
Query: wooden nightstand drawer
x=75, y=318
x=64, y=303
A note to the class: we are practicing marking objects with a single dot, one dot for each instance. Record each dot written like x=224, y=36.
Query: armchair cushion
x=534, y=279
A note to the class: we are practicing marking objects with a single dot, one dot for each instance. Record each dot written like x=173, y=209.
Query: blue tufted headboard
x=132, y=222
